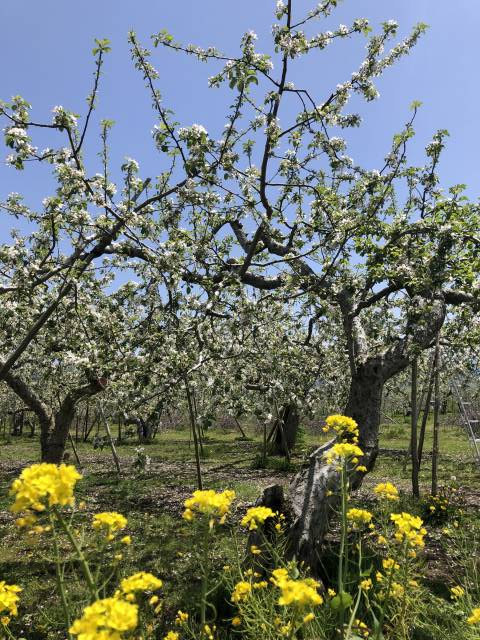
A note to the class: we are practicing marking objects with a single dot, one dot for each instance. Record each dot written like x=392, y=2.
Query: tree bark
x=54, y=428
x=54, y=442
x=364, y=406
x=283, y=435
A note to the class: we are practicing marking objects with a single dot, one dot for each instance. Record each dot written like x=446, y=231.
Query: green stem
x=343, y=555
x=354, y=613
x=342, y=538
x=60, y=583
x=387, y=593
x=8, y=632
x=81, y=557
x=204, y=588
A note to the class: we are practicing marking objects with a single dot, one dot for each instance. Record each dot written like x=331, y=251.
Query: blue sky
x=46, y=54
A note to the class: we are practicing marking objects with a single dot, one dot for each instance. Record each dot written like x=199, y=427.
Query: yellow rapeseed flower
x=242, y=591
x=386, y=490
x=256, y=516
x=295, y=592
x=409, y=529
x=126, y=540
x=389, y=563
x=396, y=590
x=181, y=618
x=44, y=485
x=359, y=516
x=474, y=616
x=279, y=576
x=342, y=450
x=27, y=521
x=366, y=584
x=342, y=425
x=172, y=635
x=457, y=592
x=110, y=522
x=361, y=628
x=236, y=621
x=140, y=581
x=263, y=584
x=9, y=598
x=210, y=503
x=106, y=619
x=208, y=631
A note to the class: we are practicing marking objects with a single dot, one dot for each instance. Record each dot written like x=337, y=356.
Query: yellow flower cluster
x=389, y=563
x=360, y=628
x=300, y=593
x=181, y=618
x=110, y=522
x=256, y=516
x=344, y=427
x=386, y=490
x=172, y=635
x=438, y=503
x=366, y=584
x=457, y=592
x=474, y=617
x=106, y=619
x=359, y=516
x=409, y=529
x=343, y=450
x=262, y=584
x=209, y=631
x=210, y=503
x=44, y=485
x=397, y=590
x=8, y=600
x=242, y=591
x=27, y=521
x=140, y=581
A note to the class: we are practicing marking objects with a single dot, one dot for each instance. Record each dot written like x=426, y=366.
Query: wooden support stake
x=74, y=450
x=194, y=432
x=414, y=438
x=110, y=440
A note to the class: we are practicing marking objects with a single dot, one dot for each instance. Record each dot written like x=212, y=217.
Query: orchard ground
x=152, y=500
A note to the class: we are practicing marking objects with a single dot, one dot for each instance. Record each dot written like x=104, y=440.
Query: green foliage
x=103, y=46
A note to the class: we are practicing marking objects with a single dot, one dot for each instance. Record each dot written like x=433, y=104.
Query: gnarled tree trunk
x=283, y=435
x=55, y=440
x=313, y=491
x=54, y=428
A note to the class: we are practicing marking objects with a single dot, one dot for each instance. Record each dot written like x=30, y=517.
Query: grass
x=153, y=501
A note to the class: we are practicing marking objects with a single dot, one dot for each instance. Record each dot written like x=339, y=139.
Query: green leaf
x=102, y=46
x=341, y=601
